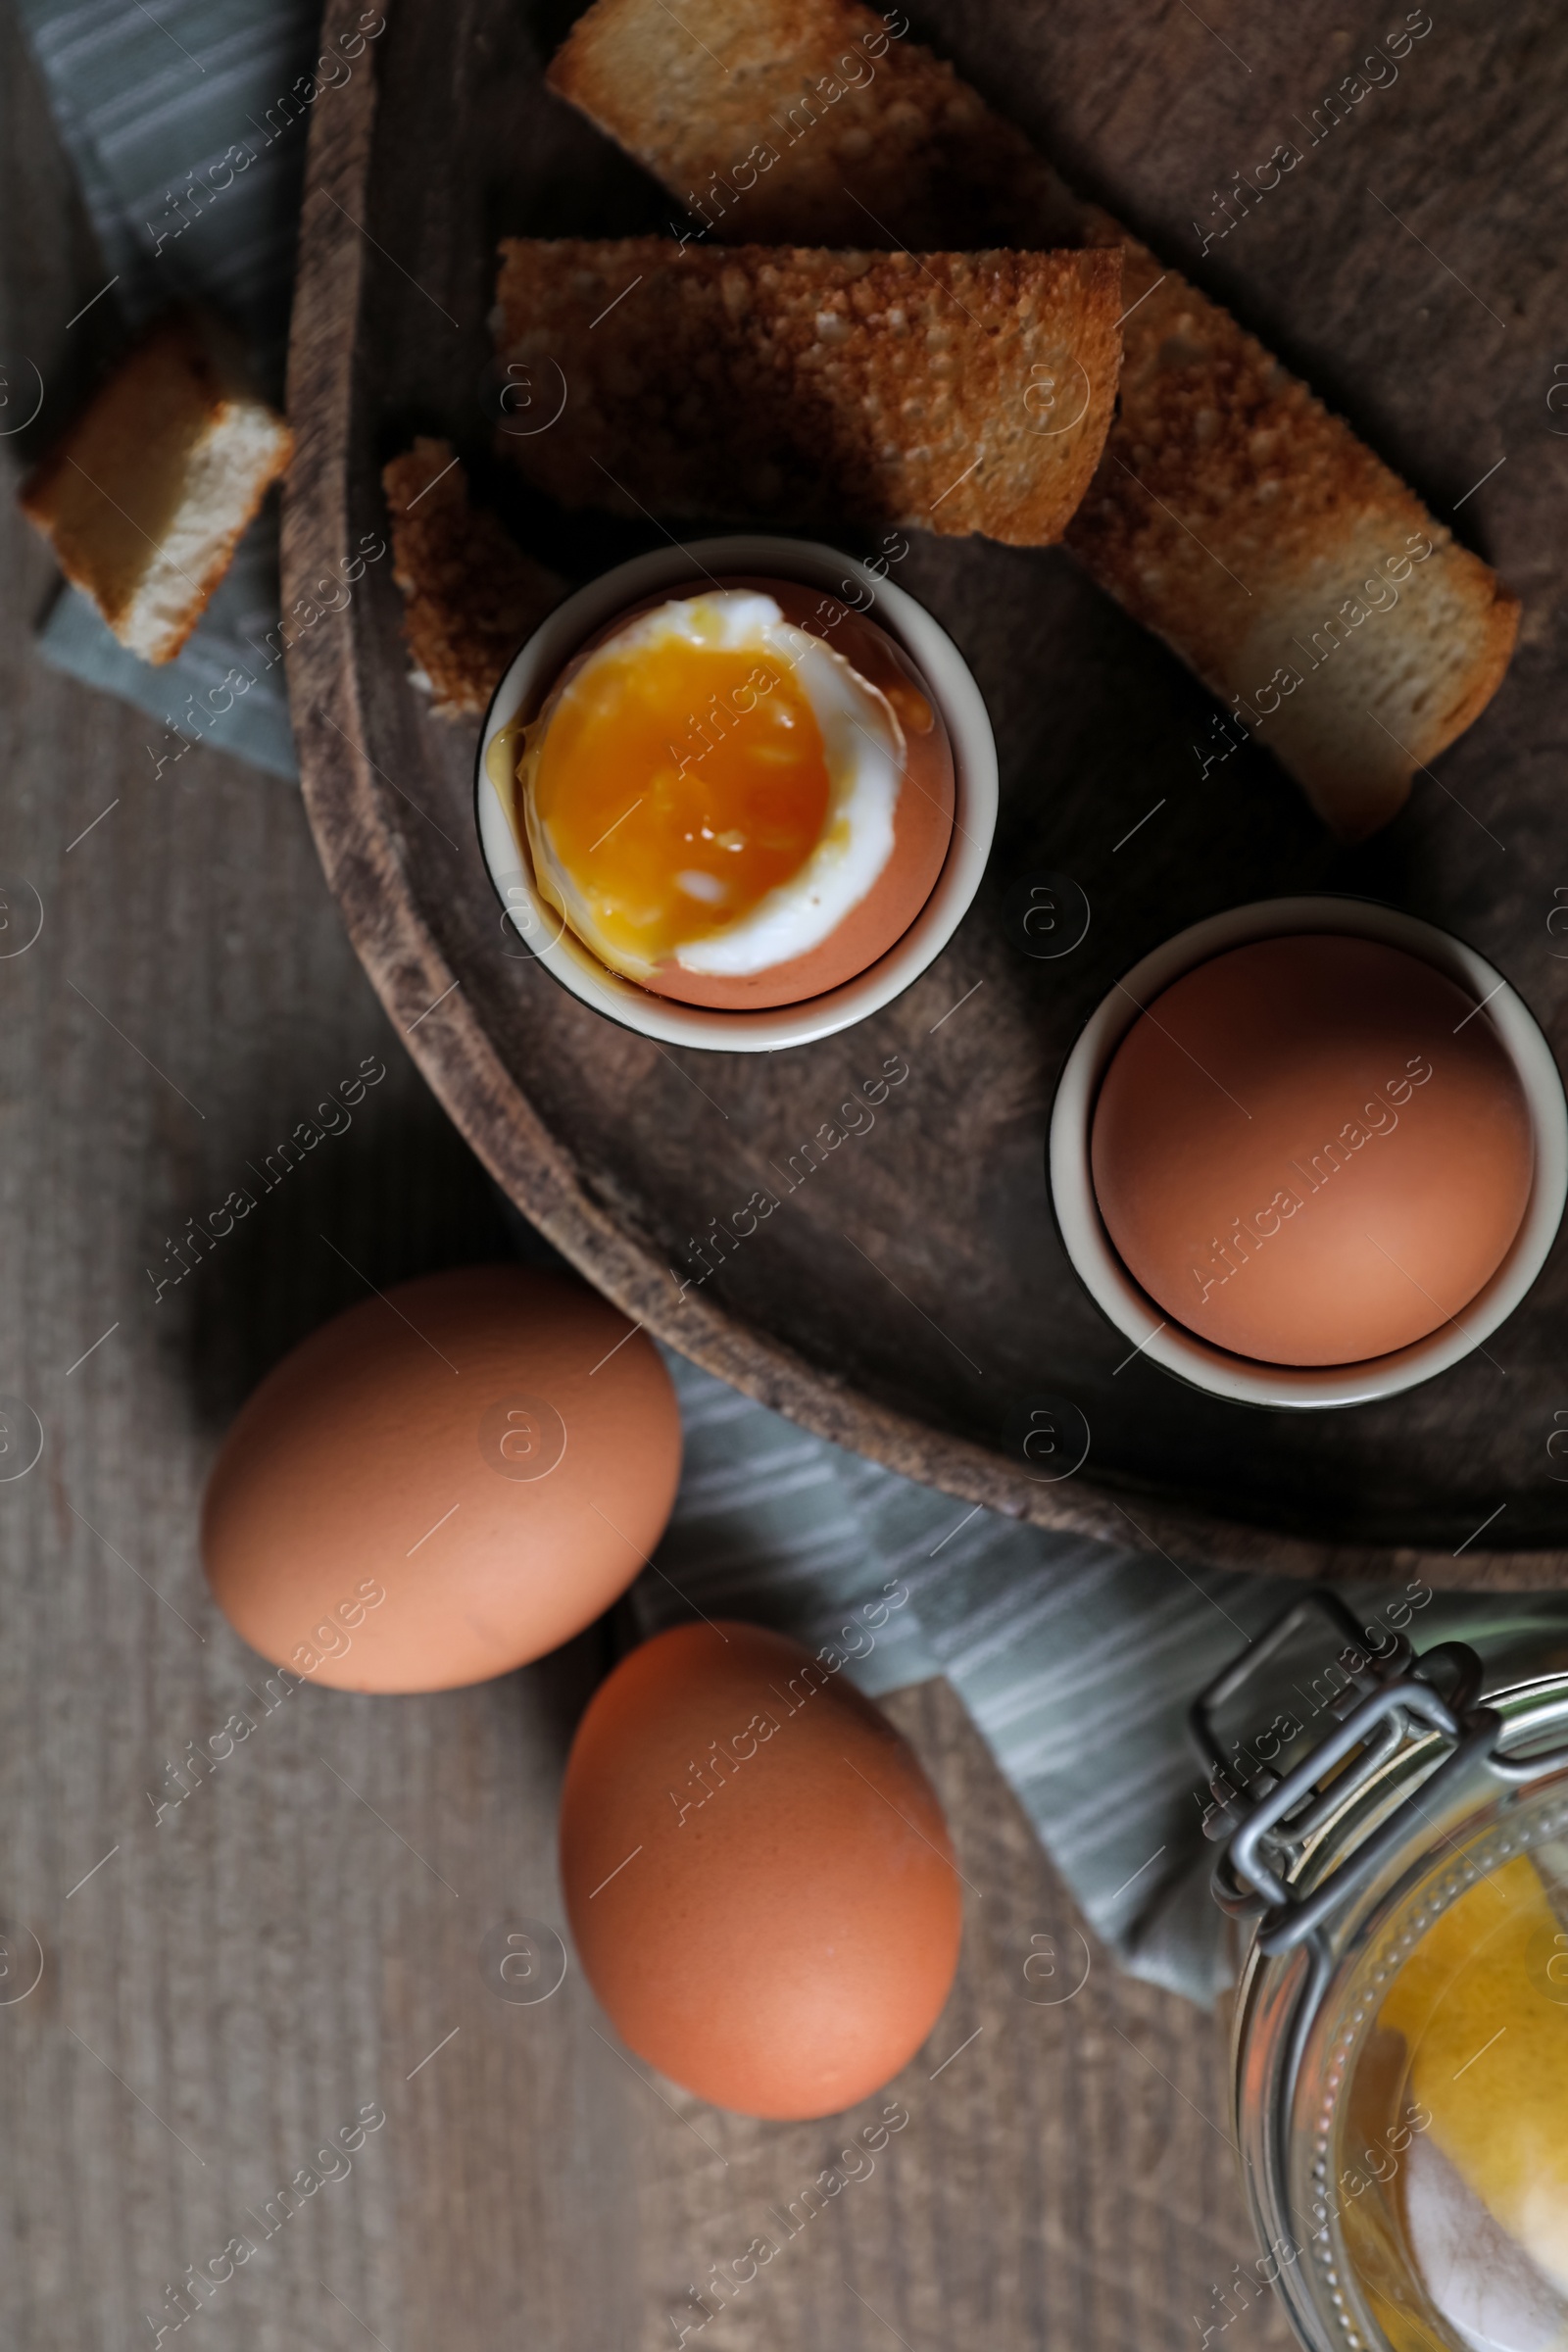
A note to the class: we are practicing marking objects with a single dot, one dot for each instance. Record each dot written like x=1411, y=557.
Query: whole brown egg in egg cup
x=737, y=795
x=1310, y=1153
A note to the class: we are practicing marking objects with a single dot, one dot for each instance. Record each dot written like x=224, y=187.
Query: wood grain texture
x=911, y=1300
x=223, y=1988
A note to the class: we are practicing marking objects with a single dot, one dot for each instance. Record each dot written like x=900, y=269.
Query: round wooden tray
x=909, y=1298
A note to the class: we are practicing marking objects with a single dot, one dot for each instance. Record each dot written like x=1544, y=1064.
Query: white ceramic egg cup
x=1237, y=1377
x=536, y=667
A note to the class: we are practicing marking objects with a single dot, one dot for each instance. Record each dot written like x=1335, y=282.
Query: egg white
x=864, y=751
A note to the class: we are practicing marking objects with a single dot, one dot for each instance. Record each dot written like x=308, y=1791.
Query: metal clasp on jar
x=1388, y=1704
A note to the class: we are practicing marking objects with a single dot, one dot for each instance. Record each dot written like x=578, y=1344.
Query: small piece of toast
x=146, y=497
x=960, y=392
x=473, y=596
x=1232, y=513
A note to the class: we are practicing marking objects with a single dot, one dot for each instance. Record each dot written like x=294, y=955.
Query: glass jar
x=1399, y=1898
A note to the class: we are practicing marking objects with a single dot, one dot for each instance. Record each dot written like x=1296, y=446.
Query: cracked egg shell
x=922, y=823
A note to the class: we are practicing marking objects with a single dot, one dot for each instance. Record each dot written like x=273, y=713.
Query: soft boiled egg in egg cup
x=737, y=795
x=1310, y=1153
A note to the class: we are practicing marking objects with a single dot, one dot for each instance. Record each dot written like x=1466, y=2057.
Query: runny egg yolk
x=680, y=783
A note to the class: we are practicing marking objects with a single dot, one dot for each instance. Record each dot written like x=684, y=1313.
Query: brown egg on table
x=758, y=1874
x=740, y=795
x=1312, y=1151
x=444, y=1483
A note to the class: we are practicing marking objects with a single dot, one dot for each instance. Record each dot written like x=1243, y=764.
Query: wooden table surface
x=230, y=1982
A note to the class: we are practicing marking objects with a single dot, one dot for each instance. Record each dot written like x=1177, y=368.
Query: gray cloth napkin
x=1076, y=1661
x=187, y=126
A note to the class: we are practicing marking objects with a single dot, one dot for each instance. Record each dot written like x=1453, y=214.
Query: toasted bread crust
x=473, y=596
x=861, y=126
x=130, y=466
x=80, y=560
x=1237, y=518
x=1215, y=442
x=789, y=381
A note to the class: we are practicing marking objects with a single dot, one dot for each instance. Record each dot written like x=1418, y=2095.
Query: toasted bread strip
x=473, y=596
x=145, y=497
x=962, y=392
x=1307, y=585
x=806, y=121
x=1232, y=513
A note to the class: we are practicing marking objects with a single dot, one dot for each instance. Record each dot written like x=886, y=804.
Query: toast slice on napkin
x=145, y=497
